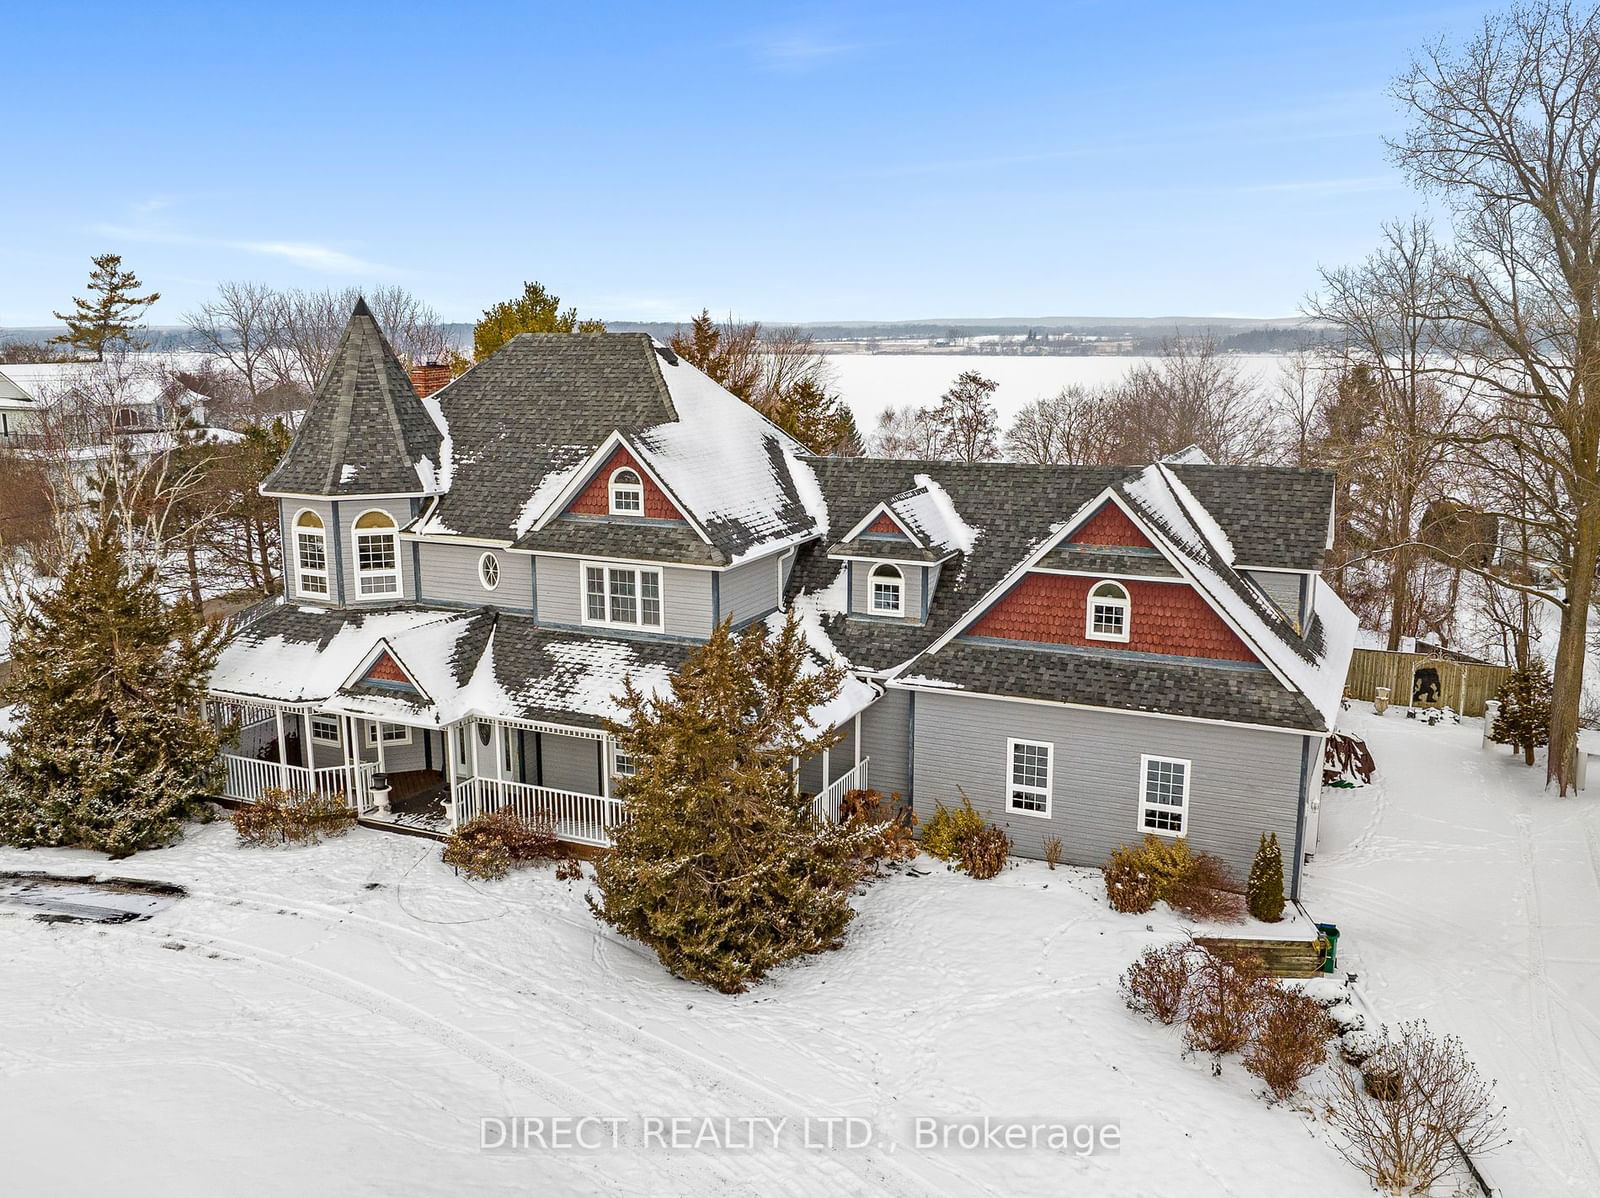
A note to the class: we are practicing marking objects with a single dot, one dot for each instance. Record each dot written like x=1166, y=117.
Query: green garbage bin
x=1330, y=954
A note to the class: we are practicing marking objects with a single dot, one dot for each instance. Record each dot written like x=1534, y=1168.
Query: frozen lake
x=870, y=382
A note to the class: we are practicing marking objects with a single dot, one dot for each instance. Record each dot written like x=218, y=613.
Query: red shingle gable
x=595, y=499
x=1110, y=526
x=386, y=669
x=884, y=524
x=1164, y=617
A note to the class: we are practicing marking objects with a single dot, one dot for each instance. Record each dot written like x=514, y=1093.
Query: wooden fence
x=1421, y=680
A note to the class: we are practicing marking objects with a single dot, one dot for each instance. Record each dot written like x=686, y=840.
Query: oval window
x=489, y=571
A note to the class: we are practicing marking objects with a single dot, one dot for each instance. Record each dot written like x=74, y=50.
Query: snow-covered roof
x=140, y=381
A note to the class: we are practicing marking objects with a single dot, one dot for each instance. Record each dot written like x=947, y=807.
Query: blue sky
x=807, y=162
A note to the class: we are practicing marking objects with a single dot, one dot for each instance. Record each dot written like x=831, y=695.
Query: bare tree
x=967, y=419
x=907, y=432
x=1074, y=426
x=308, y=325
x=1506, y=129
x=239, y=328
x=1193, y=394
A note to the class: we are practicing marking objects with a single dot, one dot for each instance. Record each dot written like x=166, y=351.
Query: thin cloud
x=794, y=51
x=1326, y=186
x=308, y=255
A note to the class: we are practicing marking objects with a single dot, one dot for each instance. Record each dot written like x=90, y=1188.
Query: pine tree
x=107, y=318
x=1524, y=720
x=1264, y=890
x=534, y=311
x=819, y=421
x=109, y=751
x=721, y=868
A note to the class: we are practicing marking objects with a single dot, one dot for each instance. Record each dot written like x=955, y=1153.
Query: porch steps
x=1280, y=958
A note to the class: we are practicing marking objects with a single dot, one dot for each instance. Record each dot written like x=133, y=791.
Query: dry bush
x=1129, y=886
x=1206, y=890
x=1052, y=851
x=289, y=817
x=1289, y=1042
x=1157, y=984
x=569, y=869
x=895, y=840
x=984, y=852
x=948, y=827
x=1224, y=1000
x=487, y=846
x=1426, y=1102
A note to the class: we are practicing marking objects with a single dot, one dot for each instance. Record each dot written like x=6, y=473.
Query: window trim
x=1124, y=604
x=899, y=590
x=335, y=739
x=372, y=733
x=300, y=570
x=618, y=755
x=1048, y=790
x=1145, y=804
x=638, y=569
x=484, y=562
x=635, y=488
x=393, y=532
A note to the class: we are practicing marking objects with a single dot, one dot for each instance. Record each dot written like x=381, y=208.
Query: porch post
x=794, y=771
x=825, y=778
x=450, y=773
x=856, y=736
x=377, y=725
x=352, y=761
x=605, y=765
x=309, y=742
x=500, y=756
x=283, y=749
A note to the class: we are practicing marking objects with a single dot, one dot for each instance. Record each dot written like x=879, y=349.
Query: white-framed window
x=622, y=763
x=393, y=734
x=325, y=729
x=1164, y=795
x=886, y=590
x=623, y=596
x=627, y=493
x=377, y=548
x=489, y=571
x=1028, y=766
x=310, y=554
x=1107, y=617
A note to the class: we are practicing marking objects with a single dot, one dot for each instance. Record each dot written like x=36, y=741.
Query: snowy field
x=338, y=1019
x=870, y=382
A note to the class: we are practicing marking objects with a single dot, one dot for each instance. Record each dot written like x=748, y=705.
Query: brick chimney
x=428, y=377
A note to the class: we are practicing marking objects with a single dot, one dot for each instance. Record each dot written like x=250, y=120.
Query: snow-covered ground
x=338, y=1019
x=1468, y=894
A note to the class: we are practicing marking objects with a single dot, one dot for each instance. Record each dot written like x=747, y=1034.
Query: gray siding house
x=1089, y=654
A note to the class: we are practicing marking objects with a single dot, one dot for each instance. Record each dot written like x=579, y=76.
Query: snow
x=550, y=486
x=353, y=1010
x=347, y=473
x=933, y=515
x=1469, y=894
x=809, y=608
x=435, y=478
x=1203, y=520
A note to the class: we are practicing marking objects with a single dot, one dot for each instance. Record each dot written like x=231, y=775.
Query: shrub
x=1052, y=851
x=1265, y=886
x=949, y=826
x=1206, y=890
x=894, y=840
x=289, y=817
x=569, y=869
x=1425, y=1102
x=1289, y=1042
x=984, y=852
x=1224, y=1000
x=1166, y=860
x=1129, y=886
x=487, y=846
x=1157, y=984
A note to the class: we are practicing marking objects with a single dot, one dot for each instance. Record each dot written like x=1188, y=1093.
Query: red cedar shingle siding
x=884, y=524
x=1164, y=617
x=385, y=669
x=595, y=499
x=1110, y=526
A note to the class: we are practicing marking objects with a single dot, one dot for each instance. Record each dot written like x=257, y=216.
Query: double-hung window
x=325, y=729
x=393, y=734
x=622, y=763
x=1164, y=795
x=377, y=556
x=888, y=591
x=624, y=596
x=311, y=554
x=1028, y=766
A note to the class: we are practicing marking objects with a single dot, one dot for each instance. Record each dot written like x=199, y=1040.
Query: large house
x=1091, y=654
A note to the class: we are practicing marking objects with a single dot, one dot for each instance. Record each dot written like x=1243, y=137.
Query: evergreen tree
x=721, y=868
x=819, y=421
x=1264, y=890
x=1524, y=720
x=109, y=750
x=534, y=311
x=729, y=354
x=107, y=318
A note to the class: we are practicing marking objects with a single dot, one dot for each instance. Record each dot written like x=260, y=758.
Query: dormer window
x=377, y=556
x=311, y=554
x=887, y=588
x=1108, y=612
x=627, y=493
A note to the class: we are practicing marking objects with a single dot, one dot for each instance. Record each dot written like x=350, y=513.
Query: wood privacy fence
x=1422, y=680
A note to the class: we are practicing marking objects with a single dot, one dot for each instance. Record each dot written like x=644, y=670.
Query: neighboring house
x=136, y=394
x=1090, y=654
x=16, y=410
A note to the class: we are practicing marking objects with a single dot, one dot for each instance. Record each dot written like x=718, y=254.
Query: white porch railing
x=826, y=804
x=248, y=778
x=585, y=819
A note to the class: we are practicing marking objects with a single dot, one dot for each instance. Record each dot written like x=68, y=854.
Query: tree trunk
x=1400, y=596
x=194, y=572
x=1567, y=692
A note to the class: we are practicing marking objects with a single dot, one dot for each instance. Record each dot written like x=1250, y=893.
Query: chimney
x=428, y=377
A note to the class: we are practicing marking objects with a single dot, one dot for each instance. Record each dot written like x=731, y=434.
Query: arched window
x=627, y=493
x=1107, y=617
x=888, y=591
x=489, y=571
x=377, y=556
x=310, y=554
